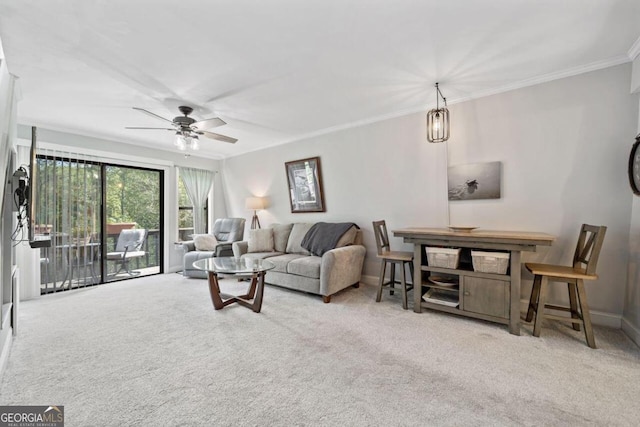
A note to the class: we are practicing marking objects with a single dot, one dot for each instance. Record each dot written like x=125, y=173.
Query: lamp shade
x=254, y=203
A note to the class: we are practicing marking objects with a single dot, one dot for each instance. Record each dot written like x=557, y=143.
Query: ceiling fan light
x=195, y=143
x=180, y=142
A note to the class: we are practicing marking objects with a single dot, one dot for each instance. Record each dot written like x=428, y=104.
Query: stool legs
x=392, y=280
x=392, y=277
x=404, y=287
x=573, y=304
x=586, y=317
x=383, y=269
x=542, y=299
x=578, y=307
x=533, y=301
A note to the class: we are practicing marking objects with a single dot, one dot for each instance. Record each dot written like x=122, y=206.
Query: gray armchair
x=226, y=231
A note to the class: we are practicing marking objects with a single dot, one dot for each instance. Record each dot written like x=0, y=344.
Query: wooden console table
x=487, y=296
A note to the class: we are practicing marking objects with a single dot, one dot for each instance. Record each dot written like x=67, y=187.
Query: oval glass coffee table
x=255, y=269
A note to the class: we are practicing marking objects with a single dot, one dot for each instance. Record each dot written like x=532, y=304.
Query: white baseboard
x=369, y=280
x=5, y=349
x=597, y=317
x=631, y=331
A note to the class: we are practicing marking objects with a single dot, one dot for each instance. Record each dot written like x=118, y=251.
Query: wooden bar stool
x=585, y=260
x=387, y=256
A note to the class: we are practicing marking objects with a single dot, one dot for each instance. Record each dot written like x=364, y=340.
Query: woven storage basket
x=443, y=257
x=490, y=262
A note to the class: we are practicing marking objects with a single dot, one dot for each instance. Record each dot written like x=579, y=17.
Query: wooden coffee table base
x=256, y=290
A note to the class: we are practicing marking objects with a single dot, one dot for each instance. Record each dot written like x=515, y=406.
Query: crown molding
x=610, y=62
x=594, y=66
x=635, y=50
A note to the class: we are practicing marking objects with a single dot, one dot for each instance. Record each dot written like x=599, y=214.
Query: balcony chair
x=128, y=246
x=226, y=231
x=387, y=256
x=585, y=260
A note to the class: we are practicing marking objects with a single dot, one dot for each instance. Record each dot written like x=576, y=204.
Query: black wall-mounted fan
x=188, y=127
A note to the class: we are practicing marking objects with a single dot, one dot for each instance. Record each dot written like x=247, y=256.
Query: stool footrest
x=557, y=307
x=564, y=319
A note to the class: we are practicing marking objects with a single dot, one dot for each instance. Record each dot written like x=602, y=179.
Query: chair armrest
x=224, y=249
x=188, y=246
x=341, y=268
x=124, y=254
x=239, y=248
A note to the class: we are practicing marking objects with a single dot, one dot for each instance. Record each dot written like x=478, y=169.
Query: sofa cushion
x=308, y=266
x=281, y=261
x=298, y=232
x=281, y=234
x=205, y=242
x=260, y=255
x=260, y=240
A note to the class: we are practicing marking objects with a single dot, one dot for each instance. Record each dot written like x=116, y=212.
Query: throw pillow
x=298, y=232
x=260, y=240
x=281, y=234
x=205, y=242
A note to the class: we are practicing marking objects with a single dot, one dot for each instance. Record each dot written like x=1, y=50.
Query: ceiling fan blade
x=137, y=127
x=218, y=137
x=152, y=114
x=208, y=123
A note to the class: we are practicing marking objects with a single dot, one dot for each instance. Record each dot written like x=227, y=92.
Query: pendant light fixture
x=438, y=120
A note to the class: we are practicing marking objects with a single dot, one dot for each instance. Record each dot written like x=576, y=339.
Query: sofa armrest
x=341, y=268
x=188, y=246
x=239, y=248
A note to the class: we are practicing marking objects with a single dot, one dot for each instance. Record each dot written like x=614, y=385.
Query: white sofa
x=296, y=268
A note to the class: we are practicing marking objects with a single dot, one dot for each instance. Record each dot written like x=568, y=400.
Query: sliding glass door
x=104, y=220
x=133, y=222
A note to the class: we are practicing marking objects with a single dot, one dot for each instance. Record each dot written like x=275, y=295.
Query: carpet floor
x=153, y=352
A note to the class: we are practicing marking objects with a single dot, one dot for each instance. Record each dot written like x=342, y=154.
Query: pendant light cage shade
x=438, y=120
x=438, y=125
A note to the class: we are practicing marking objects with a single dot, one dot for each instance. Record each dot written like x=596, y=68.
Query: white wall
x=631, y=318
x=563, y=147
x=384, y=170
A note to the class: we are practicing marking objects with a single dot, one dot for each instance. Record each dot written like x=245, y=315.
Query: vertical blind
x=68, y=206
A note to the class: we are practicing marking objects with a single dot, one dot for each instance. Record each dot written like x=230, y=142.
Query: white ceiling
x=280, y=70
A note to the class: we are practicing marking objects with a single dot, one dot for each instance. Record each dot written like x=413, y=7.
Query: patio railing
x=66, y=266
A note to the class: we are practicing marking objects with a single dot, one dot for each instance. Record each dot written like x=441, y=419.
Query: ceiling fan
x=188, y=129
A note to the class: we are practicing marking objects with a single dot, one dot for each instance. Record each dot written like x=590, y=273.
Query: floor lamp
x=255, y=204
